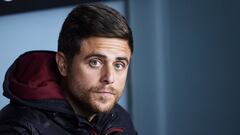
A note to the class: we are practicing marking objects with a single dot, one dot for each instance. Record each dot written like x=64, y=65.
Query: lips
x=101, y=90
x=104, y=92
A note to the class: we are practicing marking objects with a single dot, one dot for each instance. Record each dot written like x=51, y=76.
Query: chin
x=101, y=108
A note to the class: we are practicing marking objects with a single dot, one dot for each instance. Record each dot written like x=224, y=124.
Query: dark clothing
x=38, y=107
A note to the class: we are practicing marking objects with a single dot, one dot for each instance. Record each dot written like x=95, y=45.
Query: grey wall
x=185, y=72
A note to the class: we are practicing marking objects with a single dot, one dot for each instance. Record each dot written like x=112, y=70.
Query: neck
x=79, y=111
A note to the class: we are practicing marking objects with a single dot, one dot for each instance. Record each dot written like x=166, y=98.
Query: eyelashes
x=97, y=63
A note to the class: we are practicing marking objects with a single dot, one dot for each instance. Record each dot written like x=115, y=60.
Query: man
x=73, y=91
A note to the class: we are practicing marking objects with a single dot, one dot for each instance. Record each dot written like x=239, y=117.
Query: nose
x=107, y=76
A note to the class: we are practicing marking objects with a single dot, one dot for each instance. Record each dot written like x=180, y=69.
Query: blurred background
x=185, y=73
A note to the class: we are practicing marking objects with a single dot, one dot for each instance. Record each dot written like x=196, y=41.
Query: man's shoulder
x=16, y=113
x=117, y=120
x=122, y=113
x=19, y=111
x=28, y=120
x=17, y=119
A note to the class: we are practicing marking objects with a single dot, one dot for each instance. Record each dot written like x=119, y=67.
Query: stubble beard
x=87, y=100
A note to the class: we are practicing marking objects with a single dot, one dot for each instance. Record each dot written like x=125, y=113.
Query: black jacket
x=38, y=107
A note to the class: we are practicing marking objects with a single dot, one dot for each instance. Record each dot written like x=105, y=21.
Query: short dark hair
x=92, y=20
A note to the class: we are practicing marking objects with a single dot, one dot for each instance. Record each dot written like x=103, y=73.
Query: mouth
x=104, y=92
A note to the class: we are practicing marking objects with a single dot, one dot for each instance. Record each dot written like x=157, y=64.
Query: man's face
x=97, y=75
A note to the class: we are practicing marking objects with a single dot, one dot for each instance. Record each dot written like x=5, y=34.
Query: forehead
x=113, y=46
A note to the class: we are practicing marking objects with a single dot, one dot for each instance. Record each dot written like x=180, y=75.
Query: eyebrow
x=104, y=56
x=123, y=58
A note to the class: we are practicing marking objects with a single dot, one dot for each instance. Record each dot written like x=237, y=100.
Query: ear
x=61, y=63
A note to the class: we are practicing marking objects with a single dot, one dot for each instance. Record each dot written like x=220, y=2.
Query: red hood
x=34, y=76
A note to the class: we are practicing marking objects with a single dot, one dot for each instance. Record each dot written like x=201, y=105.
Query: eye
x=119, y=66
x=95, y=63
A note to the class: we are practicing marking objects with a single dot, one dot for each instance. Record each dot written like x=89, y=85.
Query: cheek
x=122, y=81
x=86, y=77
